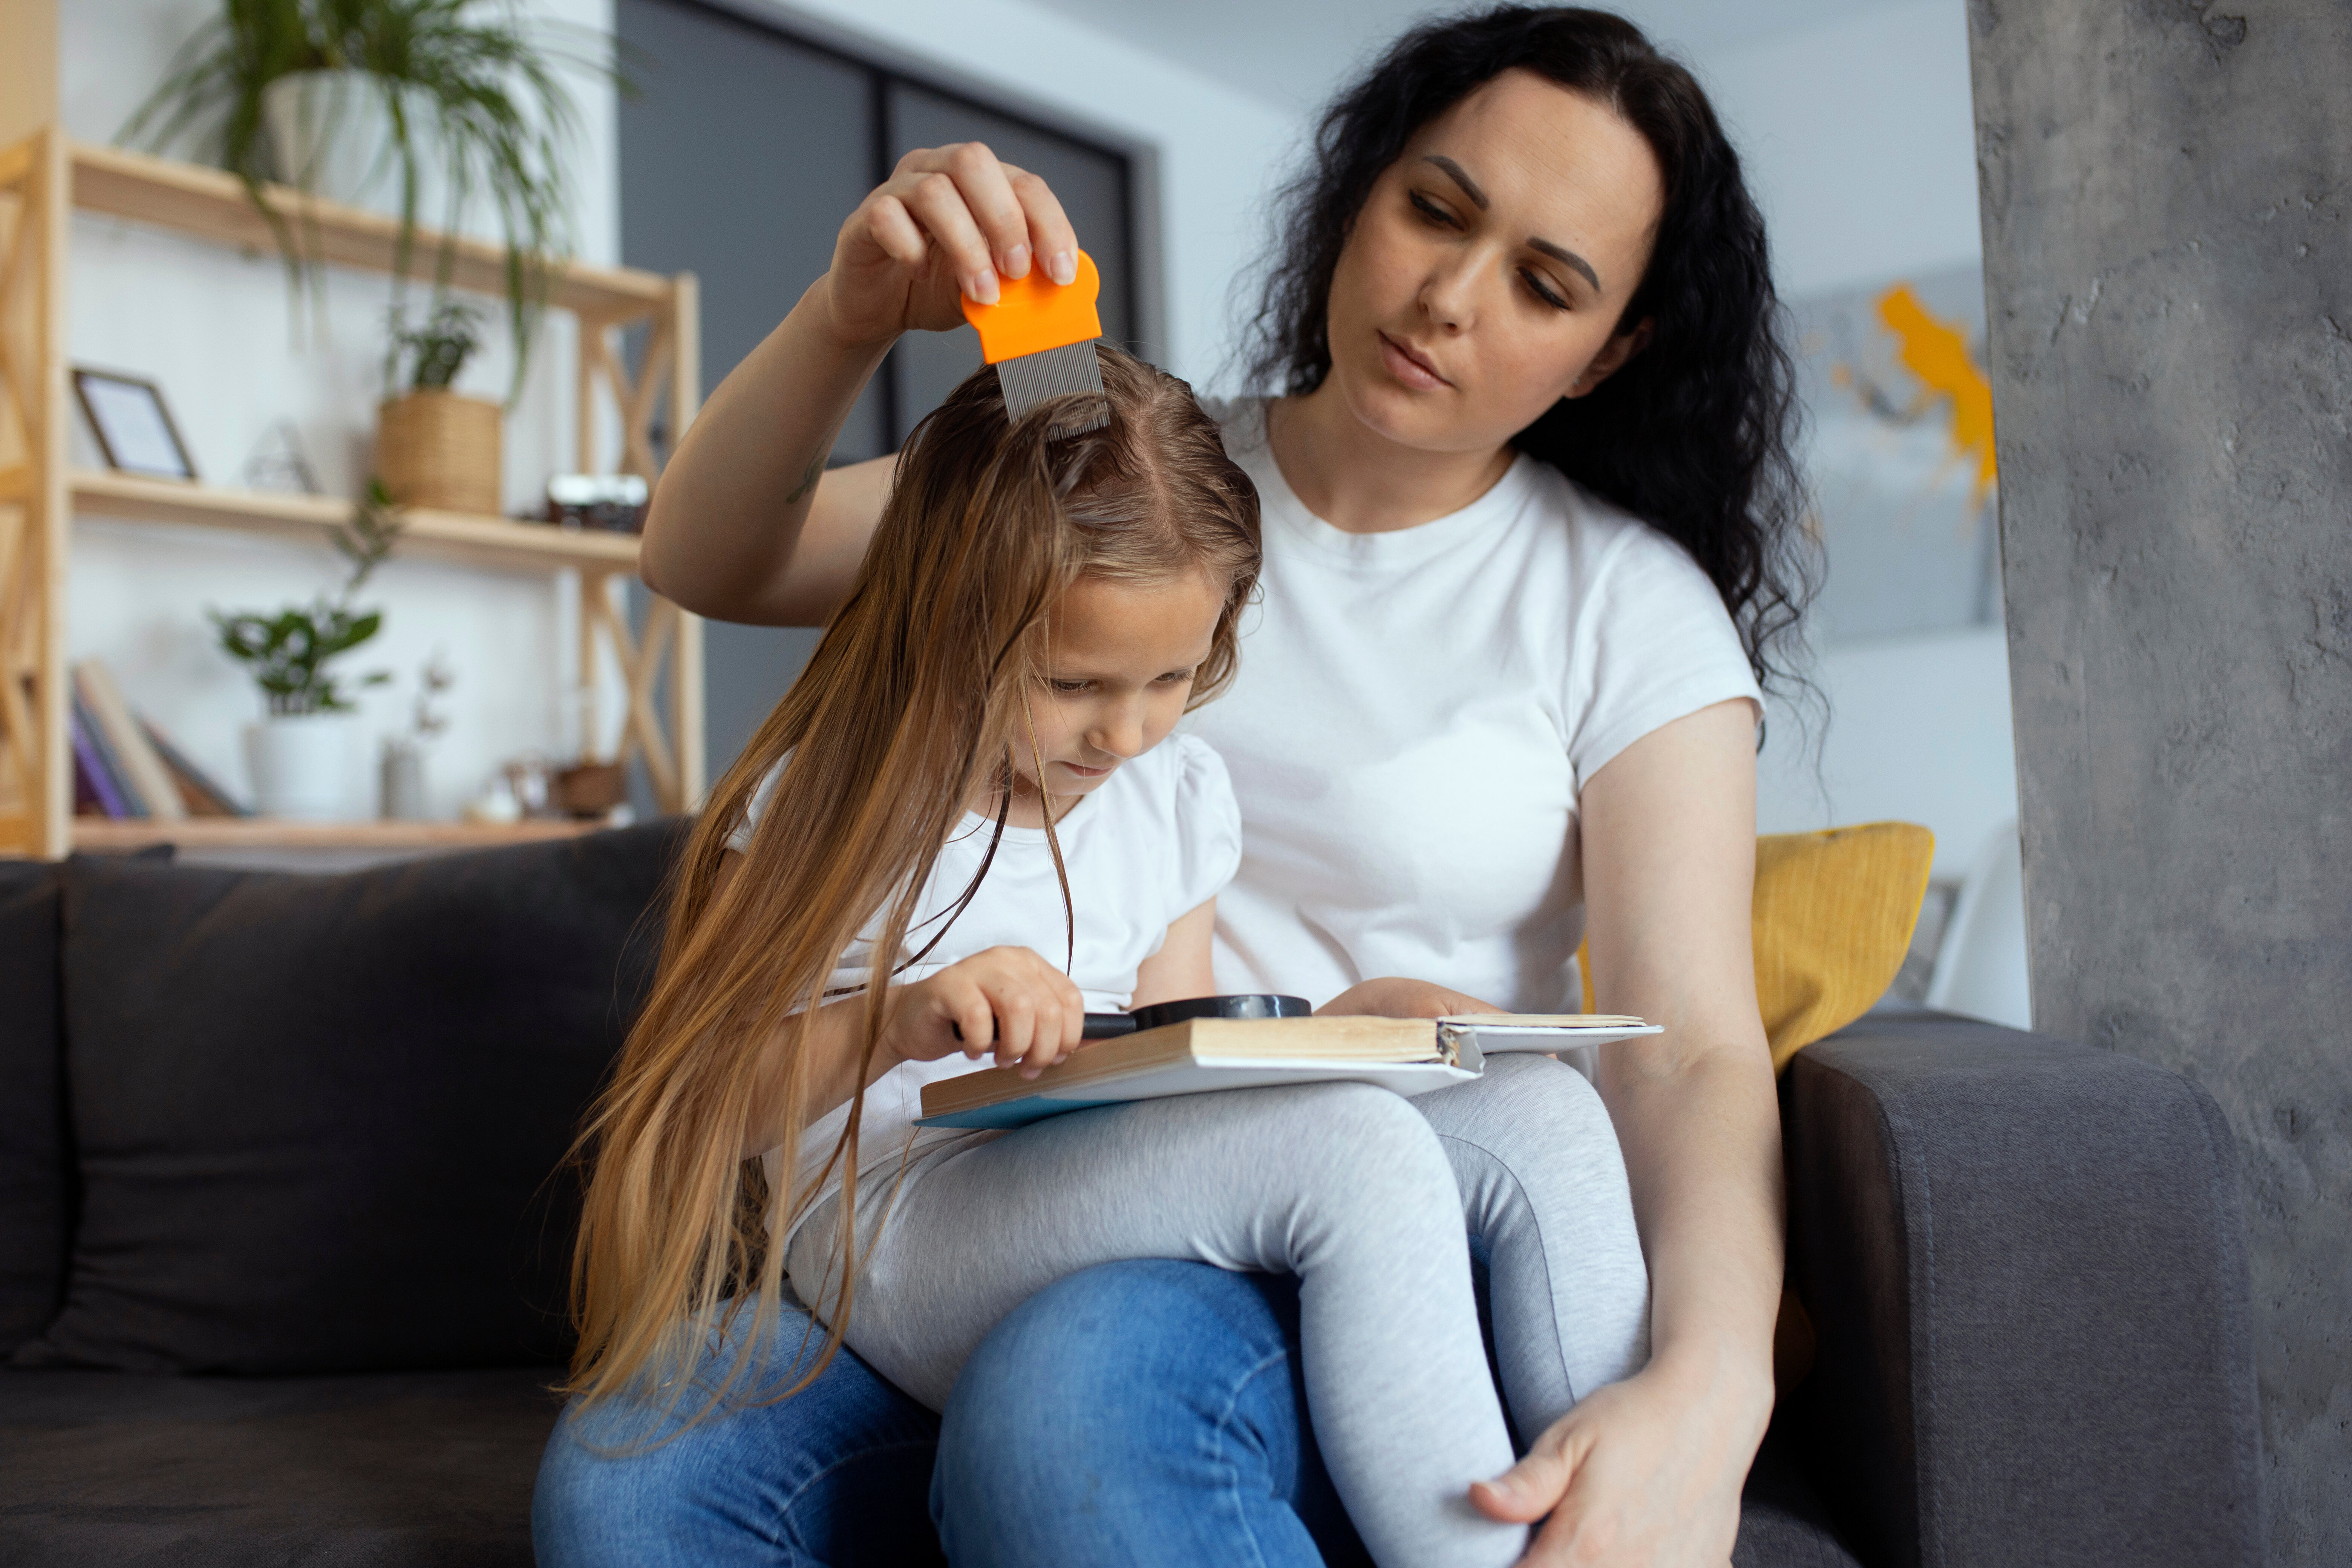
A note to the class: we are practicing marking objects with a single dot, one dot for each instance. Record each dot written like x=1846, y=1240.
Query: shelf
x=441, y=535
x=107, y=836
x=211, y=203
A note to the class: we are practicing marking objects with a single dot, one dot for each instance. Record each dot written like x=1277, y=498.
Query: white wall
x=1920, y=733
x=1860, y=138
x=214, y=328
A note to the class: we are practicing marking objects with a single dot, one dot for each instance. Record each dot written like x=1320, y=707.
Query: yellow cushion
x=1833, y=914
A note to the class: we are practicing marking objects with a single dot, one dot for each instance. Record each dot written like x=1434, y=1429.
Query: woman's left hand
x=1645, y=1472
x=1393, y=997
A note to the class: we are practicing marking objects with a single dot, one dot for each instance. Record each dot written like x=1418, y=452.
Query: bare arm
x=1007, y=1003
x=1181, y=969
x=1650, y=1470
x=746, y=523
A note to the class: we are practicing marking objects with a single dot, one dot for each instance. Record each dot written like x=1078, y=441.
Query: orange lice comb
x=1040, y=335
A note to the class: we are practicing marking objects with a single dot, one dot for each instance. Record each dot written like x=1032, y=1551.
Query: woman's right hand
x=1006, y=1002
x=948, y=222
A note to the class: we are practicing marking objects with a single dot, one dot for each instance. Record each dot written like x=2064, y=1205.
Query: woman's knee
x=1132, y=1391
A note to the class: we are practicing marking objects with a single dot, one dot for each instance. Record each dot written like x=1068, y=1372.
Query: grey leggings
x=1361, y=1194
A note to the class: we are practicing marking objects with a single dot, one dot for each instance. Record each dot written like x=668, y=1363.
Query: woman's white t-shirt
x=1155, y=840
x=1416, y=715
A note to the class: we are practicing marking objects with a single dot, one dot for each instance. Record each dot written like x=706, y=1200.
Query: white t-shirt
x=1159, y=839
x=1416, y=715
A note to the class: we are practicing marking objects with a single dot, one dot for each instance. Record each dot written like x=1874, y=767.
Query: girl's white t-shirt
x=1156, y=839
x=1416, y=715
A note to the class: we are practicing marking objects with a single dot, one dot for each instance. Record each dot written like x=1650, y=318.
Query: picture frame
x=133, y=426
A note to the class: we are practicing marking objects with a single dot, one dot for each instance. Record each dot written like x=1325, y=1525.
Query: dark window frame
x=1146, y=321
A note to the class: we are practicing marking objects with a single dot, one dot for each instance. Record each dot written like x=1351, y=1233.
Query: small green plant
x=287, y=653
x=437, y=349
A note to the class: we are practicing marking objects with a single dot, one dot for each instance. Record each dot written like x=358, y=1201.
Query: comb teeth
x=1031, y=379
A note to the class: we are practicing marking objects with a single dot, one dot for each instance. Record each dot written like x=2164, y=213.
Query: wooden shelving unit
x=43, y=181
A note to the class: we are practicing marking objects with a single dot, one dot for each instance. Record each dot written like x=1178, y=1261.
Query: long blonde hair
x=911, y=707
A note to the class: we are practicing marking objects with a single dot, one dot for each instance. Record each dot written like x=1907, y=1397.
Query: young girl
x=968, y=824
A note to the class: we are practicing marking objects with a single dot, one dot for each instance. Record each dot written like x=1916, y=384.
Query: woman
x=1525, y=303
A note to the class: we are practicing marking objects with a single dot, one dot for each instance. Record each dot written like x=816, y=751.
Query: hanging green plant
x=463, y=96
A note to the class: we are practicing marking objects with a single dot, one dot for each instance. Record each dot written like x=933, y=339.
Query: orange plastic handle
x=1035, y=313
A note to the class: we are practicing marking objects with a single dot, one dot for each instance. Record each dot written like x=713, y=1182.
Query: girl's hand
x=947, y=222
x=1397, y=998
x=1006, y=1001
x=1646, y=1473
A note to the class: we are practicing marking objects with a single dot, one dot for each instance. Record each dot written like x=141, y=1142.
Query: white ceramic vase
x=329, y=133
x=301, y=765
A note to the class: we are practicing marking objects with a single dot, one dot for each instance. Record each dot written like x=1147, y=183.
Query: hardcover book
x=1407, y=1056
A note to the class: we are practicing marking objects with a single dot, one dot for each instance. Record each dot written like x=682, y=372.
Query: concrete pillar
x=2167, y=194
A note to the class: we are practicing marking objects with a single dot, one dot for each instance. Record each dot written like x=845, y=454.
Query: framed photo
x=133, y=428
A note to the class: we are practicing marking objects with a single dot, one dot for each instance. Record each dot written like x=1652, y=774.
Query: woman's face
x=1484, y=276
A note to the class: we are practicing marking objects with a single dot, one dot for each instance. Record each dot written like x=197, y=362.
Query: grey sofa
x=280, y=1262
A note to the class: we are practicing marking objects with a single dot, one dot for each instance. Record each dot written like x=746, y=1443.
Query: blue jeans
x=1142, y=1412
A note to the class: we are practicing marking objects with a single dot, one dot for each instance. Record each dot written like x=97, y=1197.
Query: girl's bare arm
x=746, y=523
x=1180, y=969
x=1006, y=1002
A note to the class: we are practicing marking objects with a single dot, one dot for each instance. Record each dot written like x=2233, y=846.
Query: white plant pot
x=301, y=766
x=329, y=133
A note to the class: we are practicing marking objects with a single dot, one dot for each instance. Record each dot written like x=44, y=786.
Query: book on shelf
x=93, y=780
x=137, y=766
x=115, y=796
x=202, y=792
x=1407, y=1056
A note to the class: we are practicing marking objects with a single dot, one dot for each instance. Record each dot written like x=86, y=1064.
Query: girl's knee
x=1359, y=1145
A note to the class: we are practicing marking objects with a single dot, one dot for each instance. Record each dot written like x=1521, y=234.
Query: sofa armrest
x=2025, y=1261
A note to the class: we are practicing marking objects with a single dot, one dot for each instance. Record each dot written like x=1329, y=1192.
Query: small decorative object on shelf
x=279, y=463
x=300, y=753
x=611, y=501
x=591, y=790
x=434, y=447
x=133, y=428
x=403, y=755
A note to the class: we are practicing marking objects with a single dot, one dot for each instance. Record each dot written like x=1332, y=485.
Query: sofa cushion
x=319, y=1120
x=103, y=1470
x=36, y=1165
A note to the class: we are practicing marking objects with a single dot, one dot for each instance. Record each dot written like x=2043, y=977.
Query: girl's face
x=1117, y=675
x=1486, y=275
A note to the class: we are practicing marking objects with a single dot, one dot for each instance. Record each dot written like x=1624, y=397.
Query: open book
x=1409, y=1056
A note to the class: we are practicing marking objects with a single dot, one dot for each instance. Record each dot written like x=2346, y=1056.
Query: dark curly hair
x=1694, y=434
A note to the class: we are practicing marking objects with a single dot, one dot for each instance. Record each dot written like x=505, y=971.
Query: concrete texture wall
x=2166, y=189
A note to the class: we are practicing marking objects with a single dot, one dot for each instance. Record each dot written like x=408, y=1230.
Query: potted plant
x=299, y=753
x=434, y=447
x=433, y=107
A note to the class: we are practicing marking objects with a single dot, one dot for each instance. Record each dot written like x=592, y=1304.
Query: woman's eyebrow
x=1478, y=199
x=1568, y=258
x=1454, y=172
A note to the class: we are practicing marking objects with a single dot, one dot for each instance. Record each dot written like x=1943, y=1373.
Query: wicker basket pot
x=439, y=450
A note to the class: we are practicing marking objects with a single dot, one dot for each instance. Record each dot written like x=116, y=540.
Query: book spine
x=220, y=802
x=90, y=756
x=140, y=766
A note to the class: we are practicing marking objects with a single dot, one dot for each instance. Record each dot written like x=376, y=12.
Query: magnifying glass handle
x=1099, y=1027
